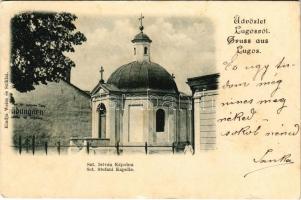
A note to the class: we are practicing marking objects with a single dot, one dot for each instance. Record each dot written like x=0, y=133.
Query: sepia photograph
x=110, y=84
x=150, y=99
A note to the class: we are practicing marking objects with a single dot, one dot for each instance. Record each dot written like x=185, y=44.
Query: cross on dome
x=141, y=25
x=101, y=73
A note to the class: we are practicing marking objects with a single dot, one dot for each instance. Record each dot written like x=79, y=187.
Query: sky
x=183, y=45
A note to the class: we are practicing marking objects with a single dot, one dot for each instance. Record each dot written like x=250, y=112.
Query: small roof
x=206, y=82
x=141, y=37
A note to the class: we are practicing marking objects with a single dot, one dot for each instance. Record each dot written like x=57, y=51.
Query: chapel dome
x=141, y=76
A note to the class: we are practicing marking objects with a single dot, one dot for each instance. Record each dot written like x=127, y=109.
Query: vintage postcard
x=150, y=99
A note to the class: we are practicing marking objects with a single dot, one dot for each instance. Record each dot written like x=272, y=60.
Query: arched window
x=102, y=121
x=134, y=51
x=145, y=50
x=160, y=120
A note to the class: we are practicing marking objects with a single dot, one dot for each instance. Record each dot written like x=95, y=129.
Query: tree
x=38, y=43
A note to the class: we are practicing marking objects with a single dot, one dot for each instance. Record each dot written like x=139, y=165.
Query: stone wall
x=205, y=92
x=205, y=120
x=52, y=112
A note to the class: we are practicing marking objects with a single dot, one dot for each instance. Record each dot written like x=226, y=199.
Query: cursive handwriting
x=285, y=132
x=260, y=70
x=267, y=158
x=245, y=131
x=239, y=116
x=271, y=83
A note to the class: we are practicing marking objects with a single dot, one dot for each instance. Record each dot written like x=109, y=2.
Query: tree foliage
x=39, y=41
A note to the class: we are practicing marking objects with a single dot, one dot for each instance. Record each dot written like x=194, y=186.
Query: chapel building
x=140, y=103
